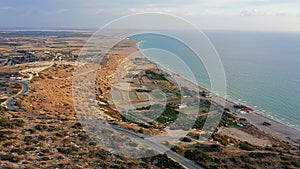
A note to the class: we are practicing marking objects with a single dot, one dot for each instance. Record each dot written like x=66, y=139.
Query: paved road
x=139, y=137
x=146, y=140
x=10, y=102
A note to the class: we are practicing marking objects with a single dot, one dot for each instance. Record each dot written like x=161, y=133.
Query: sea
x=262, y=68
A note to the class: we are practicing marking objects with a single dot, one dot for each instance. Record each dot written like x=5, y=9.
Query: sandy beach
x=279, y=129
x=276, y=128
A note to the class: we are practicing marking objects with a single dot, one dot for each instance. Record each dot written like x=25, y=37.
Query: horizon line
x=95, y=29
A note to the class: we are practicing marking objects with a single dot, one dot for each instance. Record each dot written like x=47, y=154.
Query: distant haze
x=262, y=15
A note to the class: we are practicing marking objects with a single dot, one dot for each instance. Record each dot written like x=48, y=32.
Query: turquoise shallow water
x=262, y=68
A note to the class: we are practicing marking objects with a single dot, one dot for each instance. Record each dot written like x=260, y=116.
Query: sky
x=263, y=15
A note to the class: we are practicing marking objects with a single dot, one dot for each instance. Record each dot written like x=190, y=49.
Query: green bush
x=199, y=123
x=143, y=90
x=77, y=126
x=68, y=150
x=40, y=127
x=209, y=148
x=20, y=151
x=186, y=139
x=154, y=76
x=4, y=135
x=28, y=139
x=11, y=158
x=19, y=104
x=5, y=123
x=220, y=138
x=30, y=149
x=18, y=122
x=196, y=155
x=45, y=151
x=169, y=115
x=246, y=146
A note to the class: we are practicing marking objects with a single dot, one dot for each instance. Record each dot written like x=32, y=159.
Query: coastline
x=277, y=128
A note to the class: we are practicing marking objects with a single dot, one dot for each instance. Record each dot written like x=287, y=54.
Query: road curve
x=10, y=102
x=176, y=157
x=188, y=164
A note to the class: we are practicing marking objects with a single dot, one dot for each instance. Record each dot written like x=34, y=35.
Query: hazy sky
x=271, y=15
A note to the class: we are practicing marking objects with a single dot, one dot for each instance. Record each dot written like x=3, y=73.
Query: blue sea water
x=262, y=68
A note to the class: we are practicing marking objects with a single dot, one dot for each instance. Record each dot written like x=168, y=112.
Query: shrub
x=11, y=158
x=30, y=149
x=28, y=138
x=77, y=126
x=4, y=135
x=143, y=90
x=45, y=151
x=20, y=151
x=196, y=155
x=19, y=104
x=296, y=164
x=40, y=127
x=45, y=158
x=199, y=123
x=67, y=150
x=220, y=138
x=186, y=139
x=169, y=115
x=209, y=148
x=261, y=155
x=154, y=76
x=246, y=146
x=5, y=123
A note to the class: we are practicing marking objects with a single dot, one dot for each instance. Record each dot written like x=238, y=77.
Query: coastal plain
x=43, y=131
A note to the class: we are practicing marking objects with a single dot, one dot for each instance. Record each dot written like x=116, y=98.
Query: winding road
x=10, y=102
x=184, y=162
